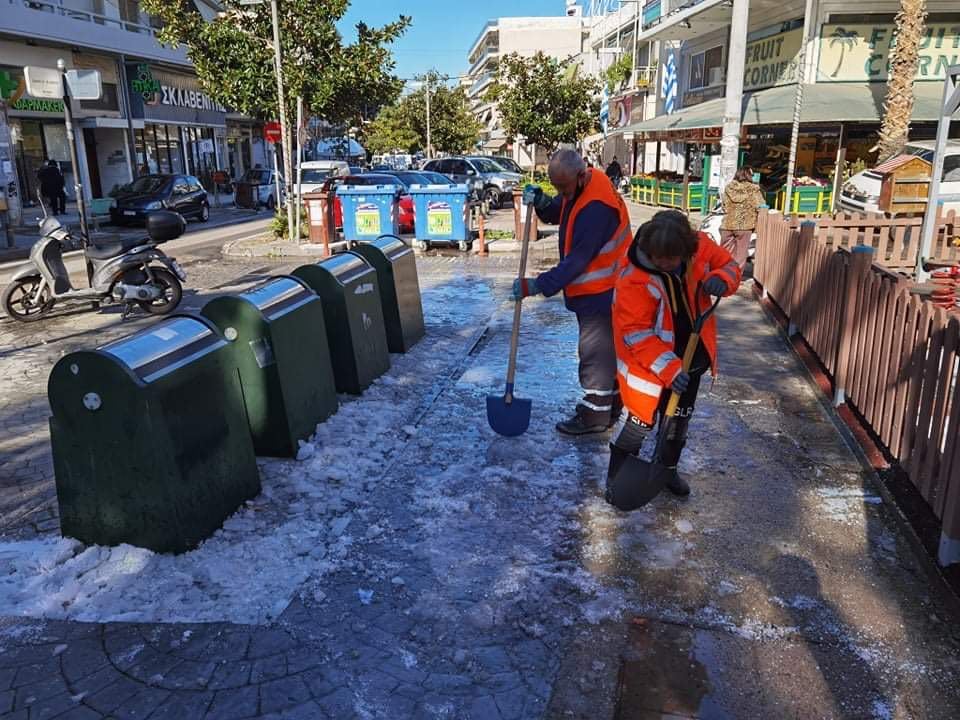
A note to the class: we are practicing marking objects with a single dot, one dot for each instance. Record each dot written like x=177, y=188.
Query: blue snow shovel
x=637, y=481
x=509, y=415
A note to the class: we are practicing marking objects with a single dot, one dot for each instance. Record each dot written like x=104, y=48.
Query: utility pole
x=284, y=129
x=736, y=57
x=798, y=106
x=429, y=146
x=75, y=161
x=298, y=201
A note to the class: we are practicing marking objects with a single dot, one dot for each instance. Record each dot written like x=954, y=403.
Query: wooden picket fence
x=896, y=240
x=890, y=355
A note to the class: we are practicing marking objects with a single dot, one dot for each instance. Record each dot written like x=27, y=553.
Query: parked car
x=149, y=193
x=507, y=164
x=314, y=173
x=434, y=178
x=257, y=188
x=861, y=193
x=405, y=206
x=493, y=184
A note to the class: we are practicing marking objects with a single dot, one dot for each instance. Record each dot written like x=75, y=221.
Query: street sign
x=43, y=83
x=272, y=132
x=84, y=84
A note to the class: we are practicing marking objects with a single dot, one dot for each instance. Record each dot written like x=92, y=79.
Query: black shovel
x=637, y=481
x=509, y=415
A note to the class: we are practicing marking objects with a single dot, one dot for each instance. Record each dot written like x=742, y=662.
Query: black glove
x=680, y=383
x=715, y=286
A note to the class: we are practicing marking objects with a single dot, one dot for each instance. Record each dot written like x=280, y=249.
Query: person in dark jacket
x=614, y=171
x=52, y=187
x=594, y=236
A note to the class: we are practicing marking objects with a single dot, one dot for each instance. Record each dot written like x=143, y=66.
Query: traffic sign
x=84, y=84
x=43, y=83
x=272, y=132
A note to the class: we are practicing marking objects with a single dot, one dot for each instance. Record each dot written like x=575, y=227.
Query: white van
x=314, y=173
x=861, y=193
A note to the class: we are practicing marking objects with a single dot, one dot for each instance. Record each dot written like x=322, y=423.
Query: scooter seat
x=113, y=248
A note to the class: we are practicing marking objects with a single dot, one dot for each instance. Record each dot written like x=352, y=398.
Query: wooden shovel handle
x=688, y=354
x=515, y=335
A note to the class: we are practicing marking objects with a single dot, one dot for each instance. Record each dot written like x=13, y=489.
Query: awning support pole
x=838, y=168
x=798, y=106
x=736, y=58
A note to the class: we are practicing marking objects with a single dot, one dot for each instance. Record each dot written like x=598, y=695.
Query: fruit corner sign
x=861, y=53
x=272, y=132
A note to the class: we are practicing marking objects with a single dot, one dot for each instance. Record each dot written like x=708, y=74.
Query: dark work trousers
x=598, y=369
x=630, y=431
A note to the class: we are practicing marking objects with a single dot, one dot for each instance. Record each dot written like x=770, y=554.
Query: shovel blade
x=508, y=418
x=636, y=483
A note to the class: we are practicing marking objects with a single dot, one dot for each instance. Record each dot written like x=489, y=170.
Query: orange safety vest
x=643, y=310
x=601, y=274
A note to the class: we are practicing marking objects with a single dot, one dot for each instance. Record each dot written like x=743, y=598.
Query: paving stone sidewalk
x=456, y=574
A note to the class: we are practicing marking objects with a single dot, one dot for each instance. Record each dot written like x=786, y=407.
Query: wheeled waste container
x=369, y=211
x=278, y=340
x=441, y=214
x=150, y=440
x=347, y=286
x=399, y=286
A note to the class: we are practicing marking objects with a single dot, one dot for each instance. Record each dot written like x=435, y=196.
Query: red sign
x=272, y=132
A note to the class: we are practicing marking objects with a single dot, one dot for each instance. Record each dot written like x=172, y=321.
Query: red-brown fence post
x=517, y=206
x=804, y=242
x=861, y=258
x=949, y=551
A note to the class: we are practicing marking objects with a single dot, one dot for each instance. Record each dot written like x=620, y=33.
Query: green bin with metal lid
x=150, y=439
x=278, y=339
x=396, y=267
x=347, y=285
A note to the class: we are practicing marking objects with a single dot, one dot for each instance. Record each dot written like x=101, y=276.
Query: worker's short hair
x=668, y=234
x=568, y=161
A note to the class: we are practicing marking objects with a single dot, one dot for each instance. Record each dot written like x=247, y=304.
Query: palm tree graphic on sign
x=846, y=39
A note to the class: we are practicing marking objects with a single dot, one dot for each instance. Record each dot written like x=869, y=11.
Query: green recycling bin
x=396, y=267
x=347, y=285
x=279, y=344
x=150, y=440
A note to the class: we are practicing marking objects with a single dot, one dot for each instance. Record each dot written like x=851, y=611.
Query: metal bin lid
x=164, y=347
x=278, y=296
x=346, y=266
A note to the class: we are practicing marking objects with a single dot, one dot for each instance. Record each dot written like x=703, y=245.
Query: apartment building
x=152, y=115
x=560, y=36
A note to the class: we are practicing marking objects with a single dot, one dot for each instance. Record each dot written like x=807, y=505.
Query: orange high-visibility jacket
x=601, y=274
x=643, y=311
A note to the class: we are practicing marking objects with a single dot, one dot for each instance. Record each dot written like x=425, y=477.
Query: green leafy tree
x=545, y=100
x=234, y=58
x=403, y=126
x=618, y=73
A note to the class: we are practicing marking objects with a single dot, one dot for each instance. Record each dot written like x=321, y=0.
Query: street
x=412, y=564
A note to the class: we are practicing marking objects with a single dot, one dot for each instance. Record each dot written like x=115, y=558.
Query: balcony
x=490, y=52
x=72, y=23
x=481, y=83
x=476, y=49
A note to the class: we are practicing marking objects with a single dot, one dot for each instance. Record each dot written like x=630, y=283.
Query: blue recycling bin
x=440, y=214
x=369, y=211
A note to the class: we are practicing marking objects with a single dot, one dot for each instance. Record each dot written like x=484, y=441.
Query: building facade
x=560, y=37
x=152, y=115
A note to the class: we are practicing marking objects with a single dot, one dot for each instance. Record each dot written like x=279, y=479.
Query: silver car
x=492, y=183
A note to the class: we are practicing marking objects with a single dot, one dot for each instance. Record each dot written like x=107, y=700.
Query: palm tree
x=904, y=58
x=846, y=39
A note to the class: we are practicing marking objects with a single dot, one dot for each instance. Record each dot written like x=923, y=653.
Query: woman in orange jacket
x=666, y=280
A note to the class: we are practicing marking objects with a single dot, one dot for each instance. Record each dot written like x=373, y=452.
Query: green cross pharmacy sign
x=13, y=91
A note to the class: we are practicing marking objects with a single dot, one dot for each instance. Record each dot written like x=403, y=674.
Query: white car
x=711, y=226
x=861, y=193
x=314, y=173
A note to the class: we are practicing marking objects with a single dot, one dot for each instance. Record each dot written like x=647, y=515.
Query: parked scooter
x=131, y=271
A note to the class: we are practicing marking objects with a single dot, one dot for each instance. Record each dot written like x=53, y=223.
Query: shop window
x=706, y=69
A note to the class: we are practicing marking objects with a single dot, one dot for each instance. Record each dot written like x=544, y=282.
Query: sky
x=442, y=31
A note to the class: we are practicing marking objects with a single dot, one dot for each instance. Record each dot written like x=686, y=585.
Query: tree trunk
x=904, y=58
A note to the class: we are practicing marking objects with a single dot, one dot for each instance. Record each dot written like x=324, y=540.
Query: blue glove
x=715, y=286
x=531, y=193
x=524, y=288
x=680, y=383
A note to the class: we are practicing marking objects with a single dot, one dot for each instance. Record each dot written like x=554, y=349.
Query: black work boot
x=584, y=422
x=676, y=484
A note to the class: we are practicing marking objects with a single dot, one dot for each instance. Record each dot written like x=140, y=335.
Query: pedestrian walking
x=52, y=187
x=594, y=234
x=614, y=172
x=666, y=280
x=741, y=199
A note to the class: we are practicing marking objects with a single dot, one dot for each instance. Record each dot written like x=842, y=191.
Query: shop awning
x=690, y=20
x=822, y=103
x=109, y=122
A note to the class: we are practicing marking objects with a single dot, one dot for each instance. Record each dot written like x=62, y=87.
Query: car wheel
x=204, y=213
x=491, y=196
x=271, y=203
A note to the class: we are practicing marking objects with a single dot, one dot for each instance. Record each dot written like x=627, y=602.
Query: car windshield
x=385, y=180
x=149, y=183
x=507, y=164
x=486, y=166
x=257, y=177
x=314, y=175
x=919, y=152
x=413, y=178
x=435, y=178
